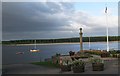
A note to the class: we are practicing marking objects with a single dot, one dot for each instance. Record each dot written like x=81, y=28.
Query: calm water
x=10, y=57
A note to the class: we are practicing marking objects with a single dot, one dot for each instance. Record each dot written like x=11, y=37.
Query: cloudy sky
x=41, y=20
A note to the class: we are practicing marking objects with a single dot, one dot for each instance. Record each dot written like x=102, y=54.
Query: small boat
x=20, y=53
x=34, y=50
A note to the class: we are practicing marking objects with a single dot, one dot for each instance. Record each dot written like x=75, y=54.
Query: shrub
x=78, y=66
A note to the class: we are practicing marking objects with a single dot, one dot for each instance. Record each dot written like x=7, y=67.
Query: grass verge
x=47, y=64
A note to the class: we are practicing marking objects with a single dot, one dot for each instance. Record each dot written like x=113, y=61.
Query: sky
x=46, y=20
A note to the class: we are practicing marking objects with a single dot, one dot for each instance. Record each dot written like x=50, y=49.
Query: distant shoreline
x=58, y=43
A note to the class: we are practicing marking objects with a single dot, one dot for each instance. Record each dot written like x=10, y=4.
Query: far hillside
x=64, y=40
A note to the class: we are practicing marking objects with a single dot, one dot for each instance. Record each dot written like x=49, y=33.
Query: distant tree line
x=64, y=40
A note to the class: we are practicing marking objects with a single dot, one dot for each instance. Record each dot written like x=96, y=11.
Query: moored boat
x=20, y=53
x=34, y=50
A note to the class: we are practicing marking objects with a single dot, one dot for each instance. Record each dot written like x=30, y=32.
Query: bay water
x=9, y=55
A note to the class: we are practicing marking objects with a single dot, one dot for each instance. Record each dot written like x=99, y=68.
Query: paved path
x=111, y=67
x=29, y=69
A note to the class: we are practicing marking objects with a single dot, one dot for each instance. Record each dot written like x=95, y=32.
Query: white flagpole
x=107, y=30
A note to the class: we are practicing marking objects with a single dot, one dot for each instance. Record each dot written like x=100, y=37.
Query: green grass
x=47, y=64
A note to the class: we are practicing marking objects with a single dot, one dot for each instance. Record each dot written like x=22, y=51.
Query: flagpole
x=107, y=30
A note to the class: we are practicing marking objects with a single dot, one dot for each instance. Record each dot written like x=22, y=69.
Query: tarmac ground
x=110, y=67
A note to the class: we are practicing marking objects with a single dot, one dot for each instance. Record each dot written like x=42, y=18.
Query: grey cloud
x=27, y=20
x=17, y=17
